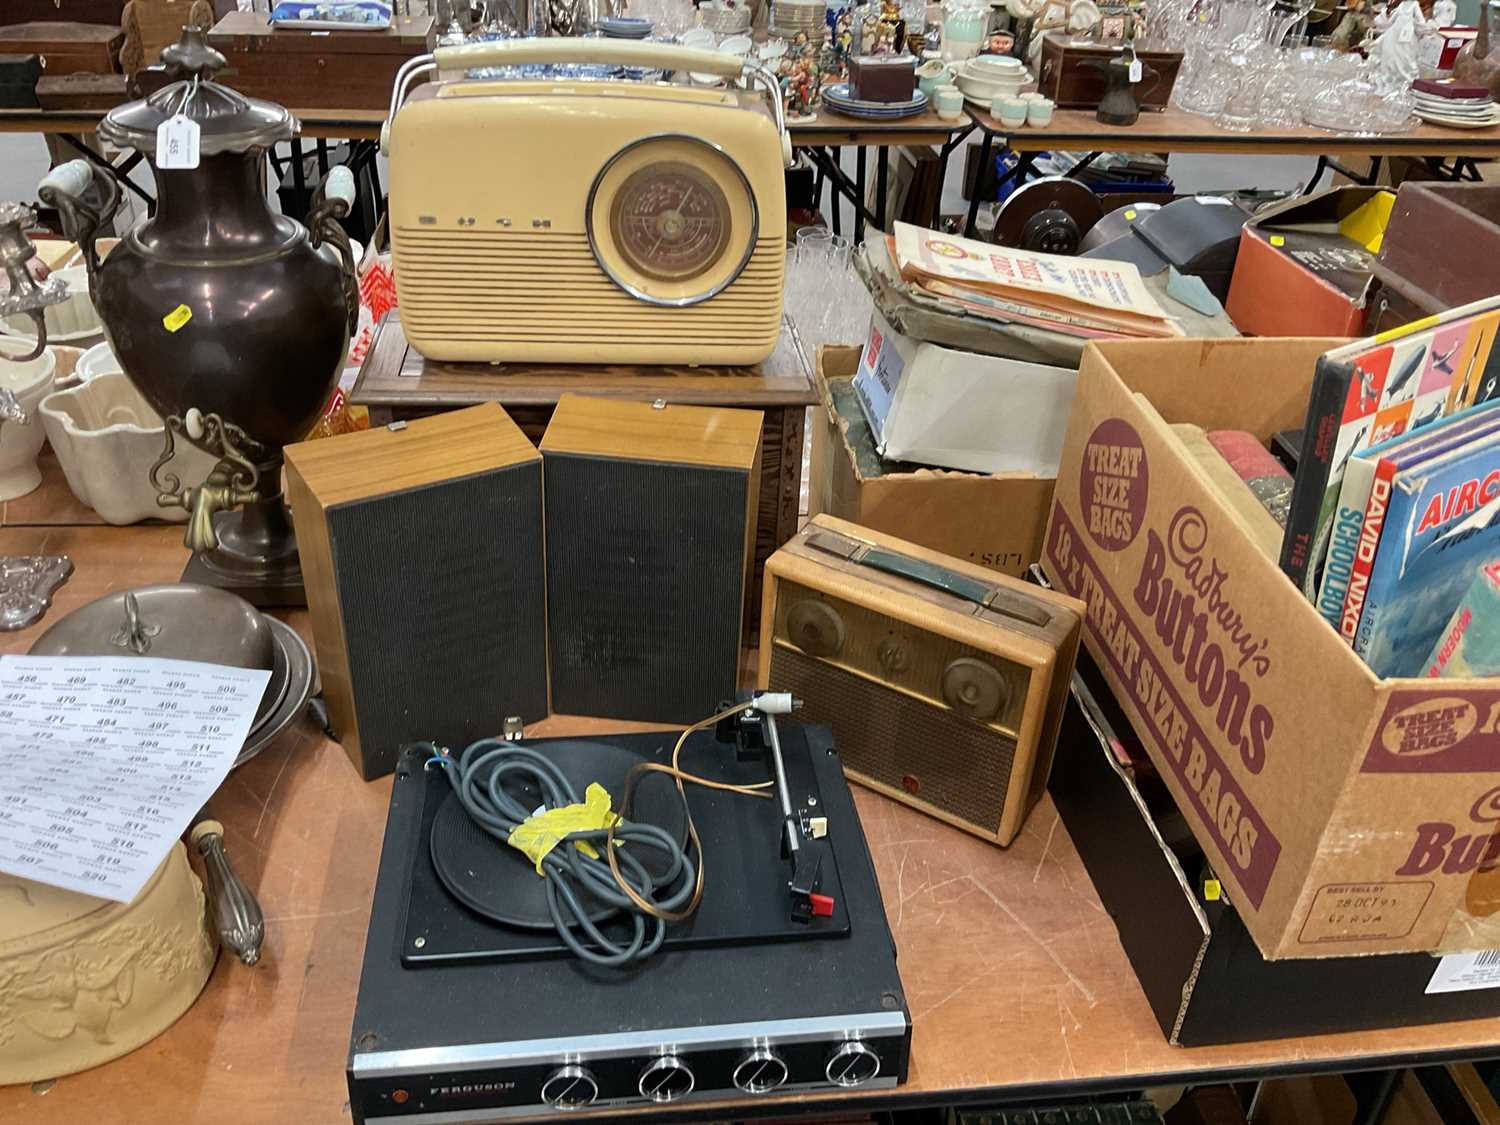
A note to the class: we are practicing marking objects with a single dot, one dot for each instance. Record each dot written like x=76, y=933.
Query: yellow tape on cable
x=537, y=835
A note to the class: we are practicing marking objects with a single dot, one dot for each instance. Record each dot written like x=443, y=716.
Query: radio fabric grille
x=441, y=590
x=962, y=768
x=645, y=569
x=483, y=286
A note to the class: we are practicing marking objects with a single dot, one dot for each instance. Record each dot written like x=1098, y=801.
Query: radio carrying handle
x=610, y=52
x=986, y=596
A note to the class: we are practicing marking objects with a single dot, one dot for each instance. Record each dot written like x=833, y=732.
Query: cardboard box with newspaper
x=995, y=520
x=1345, y=814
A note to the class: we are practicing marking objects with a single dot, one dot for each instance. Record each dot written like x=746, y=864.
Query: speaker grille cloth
x=886, y=735
x=443, y=600
x=645, y=567
x=489, y=286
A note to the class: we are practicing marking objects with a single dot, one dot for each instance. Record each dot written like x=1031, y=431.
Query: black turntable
x=472, y=1009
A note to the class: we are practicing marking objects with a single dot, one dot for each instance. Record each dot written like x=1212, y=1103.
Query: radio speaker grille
x=938, y=758
x=542, y=287
x=442, y=598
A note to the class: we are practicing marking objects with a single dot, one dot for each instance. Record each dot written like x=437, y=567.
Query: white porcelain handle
x=71, y=179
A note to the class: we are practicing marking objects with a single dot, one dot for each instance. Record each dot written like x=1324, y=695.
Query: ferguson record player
x=784, y=980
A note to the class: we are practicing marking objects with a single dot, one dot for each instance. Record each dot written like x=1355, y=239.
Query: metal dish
x=293, y=652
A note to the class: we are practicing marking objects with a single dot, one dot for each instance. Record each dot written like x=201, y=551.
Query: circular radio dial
x=570, y=1087
x=760, y=1071
x=853, y=1064
x=666, y=1080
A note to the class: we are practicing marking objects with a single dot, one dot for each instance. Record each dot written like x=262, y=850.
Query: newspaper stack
x=1084, y=297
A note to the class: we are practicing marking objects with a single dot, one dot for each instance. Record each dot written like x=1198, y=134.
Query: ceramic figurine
x=1394, y=50
x=1475, y=65
x=1444, y=13
x=890, y=29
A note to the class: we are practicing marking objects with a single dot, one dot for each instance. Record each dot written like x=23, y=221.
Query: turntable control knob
x=666, y=1079
x=569, y=1087
x=760, y=1071
x=853, y=1064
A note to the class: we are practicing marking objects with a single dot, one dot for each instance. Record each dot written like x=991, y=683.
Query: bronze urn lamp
x=232, y=320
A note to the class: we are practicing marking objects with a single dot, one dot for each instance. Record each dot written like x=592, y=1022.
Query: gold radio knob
x=815, y=627
x=973, y=688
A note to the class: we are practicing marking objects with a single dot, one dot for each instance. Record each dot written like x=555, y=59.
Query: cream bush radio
x=587, y=222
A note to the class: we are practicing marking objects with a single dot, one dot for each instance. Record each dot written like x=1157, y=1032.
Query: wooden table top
x=1172, y=130
x=395, y=374
x=826, y=128
x=1013, y=973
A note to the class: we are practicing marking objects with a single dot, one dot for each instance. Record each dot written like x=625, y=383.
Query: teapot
x=232, y=321
x=1120, y=106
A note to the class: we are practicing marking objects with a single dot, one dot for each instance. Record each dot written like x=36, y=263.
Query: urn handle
x=238, y=918
x=87, y=198
x=334, y=201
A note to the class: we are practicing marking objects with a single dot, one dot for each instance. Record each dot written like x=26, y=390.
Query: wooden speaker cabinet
x=651, y=513
x=421, y=547
x=944, y=682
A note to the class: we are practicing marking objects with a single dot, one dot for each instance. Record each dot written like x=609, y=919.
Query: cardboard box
x=1345, y=814
x=939, y=406
x=995, y=521
x=1195, y=961
x=1304, y=265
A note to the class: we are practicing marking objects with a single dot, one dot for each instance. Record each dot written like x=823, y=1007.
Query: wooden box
x=79, y=92
x=317, y=69
x=65, y=48
x=19, y=75
x=1068, y=73
x=84, y=11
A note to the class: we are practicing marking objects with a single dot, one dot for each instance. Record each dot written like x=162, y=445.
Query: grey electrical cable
x=498, y=811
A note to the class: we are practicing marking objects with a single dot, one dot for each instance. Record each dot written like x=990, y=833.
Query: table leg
x=832, y=155
x=299, y=173
x=882, y=175
x=859, y=187
x=947, y=151
x=986, y=158
x=1317, y=175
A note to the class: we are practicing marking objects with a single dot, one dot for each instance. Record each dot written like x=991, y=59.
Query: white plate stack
x=788, y=17
x=1456, y=113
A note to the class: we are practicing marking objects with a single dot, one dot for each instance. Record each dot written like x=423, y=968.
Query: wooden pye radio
x=944, y=682
x=578, y=221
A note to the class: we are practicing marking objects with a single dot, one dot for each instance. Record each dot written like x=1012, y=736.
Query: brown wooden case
x=944, y=682
x=421, y=548
x=317, y=69
x=1068, y=76
x=65, y=48
x=84, y=11
x=651, y=517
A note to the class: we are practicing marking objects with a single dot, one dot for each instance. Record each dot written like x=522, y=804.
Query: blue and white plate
x=839, y=99
x=624, y=27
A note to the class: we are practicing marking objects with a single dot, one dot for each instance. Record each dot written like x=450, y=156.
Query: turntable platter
x=499, y=883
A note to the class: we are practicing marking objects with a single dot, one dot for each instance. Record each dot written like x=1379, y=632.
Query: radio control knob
x=853, y=1064
x=666, y=1080
x=760, y=1071
x=815, y=627
x=570, y=1087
